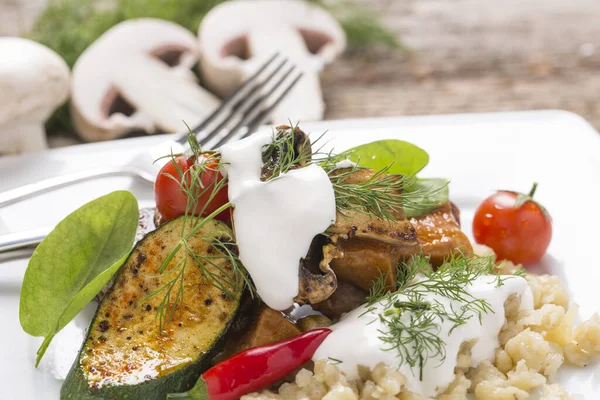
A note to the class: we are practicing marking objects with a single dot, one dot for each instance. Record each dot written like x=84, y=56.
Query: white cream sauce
x=275, y=221
x=355, y=338
x=345, y=164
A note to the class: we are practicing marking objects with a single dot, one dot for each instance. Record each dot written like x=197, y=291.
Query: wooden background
x=458, y=56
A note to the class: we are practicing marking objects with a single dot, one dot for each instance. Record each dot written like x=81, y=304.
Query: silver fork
x=237, y=117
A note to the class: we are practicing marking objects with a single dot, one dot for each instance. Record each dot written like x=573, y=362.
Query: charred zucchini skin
x=77, y=386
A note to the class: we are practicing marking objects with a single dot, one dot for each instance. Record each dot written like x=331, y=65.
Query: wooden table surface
x=459, y=56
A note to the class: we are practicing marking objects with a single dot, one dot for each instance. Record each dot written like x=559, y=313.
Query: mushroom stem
x=23, y=135
x=164, y=97
x=305, y=103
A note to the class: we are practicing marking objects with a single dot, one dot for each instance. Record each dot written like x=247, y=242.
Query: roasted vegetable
x=312, y=322
x=346, y=298
x=362, y=225
x=317, y=279
x=440, y=235
x=359, y=225
x=125, y=354
x=296, y=149
x=365, y=261
x=268, y=326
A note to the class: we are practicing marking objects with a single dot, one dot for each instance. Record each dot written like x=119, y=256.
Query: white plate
x=479, y=153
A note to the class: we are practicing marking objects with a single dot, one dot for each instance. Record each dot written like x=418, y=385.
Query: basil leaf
x=398, y=156
x=74, y=262
x=426, y=194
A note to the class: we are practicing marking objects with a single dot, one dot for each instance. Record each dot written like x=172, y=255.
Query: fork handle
x=20, y=240
x=47, y=185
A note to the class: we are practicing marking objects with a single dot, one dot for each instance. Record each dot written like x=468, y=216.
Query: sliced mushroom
x=137, y=77
x=34, y=81
x=346, y=298
x=304, y=33
x=302, y=147
x=315, y=287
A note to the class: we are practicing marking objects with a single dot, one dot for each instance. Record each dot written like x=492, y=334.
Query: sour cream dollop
x=355, y=339
x=275, y=221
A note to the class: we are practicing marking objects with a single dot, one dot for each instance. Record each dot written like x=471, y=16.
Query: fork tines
x=249, y=106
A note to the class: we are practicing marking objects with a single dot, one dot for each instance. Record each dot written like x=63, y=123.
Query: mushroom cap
x=34, y=80
x=224, y=48
x=136, y=56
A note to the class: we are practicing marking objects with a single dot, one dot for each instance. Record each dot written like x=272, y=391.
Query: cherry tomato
x=172, y=200
x=515, y=226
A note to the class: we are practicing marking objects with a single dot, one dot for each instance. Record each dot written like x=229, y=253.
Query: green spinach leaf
x=401, y=157
x=435, y=193
x=74, y=262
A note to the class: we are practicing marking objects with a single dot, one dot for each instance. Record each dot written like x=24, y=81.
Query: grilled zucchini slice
x=125, y=355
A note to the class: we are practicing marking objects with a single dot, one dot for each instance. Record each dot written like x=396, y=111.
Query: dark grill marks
x=103, y=326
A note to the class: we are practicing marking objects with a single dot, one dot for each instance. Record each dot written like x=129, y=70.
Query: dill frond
x=383, y=195
x=415, y=336
x=289, y=149
x=221, y=267
x=334, y=361
x=521, y=272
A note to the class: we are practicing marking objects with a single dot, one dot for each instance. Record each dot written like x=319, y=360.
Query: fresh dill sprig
x=289, y=149
x=412, y=320
x=521, y=272
x=382, y=195
x=221, y=266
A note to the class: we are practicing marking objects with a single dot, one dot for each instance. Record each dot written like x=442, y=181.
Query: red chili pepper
x=256, y=368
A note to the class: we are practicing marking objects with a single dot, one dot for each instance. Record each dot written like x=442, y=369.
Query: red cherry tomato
x=515, y=226
x=171, y=200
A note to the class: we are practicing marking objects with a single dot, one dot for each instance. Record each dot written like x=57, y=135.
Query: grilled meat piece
x=355, y=224
x=365, y=261
x=440, y=235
